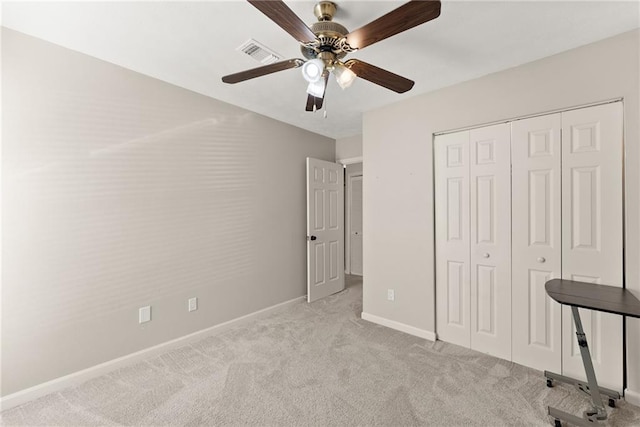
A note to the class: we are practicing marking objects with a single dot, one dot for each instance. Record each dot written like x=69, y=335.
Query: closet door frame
x=566, y=343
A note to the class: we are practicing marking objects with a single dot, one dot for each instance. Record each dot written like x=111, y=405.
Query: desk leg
x=598, y=411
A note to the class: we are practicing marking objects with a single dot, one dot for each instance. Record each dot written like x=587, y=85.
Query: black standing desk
x=609, y=299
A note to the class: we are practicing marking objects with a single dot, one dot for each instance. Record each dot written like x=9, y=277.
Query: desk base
x=597, y=411
x=608, y=299
x=611, y=395
x=560, y=416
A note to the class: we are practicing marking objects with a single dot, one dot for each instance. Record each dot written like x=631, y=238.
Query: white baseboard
x=411, y=330
x=631, y=396
x=55, y=385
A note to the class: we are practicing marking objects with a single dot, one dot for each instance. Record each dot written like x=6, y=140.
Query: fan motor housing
x=328, y=29
x=328, y=35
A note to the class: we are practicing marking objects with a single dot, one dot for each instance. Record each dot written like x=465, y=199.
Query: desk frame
x=609, y=299
x=597, y=411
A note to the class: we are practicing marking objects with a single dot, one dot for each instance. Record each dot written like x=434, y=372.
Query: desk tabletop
x=609, y=299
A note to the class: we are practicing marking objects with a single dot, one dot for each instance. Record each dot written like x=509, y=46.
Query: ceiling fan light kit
x=344, y=76
x=326, y=42
x=312, y=70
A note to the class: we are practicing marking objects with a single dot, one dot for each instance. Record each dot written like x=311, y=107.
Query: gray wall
x=353, y=168
x=349, y=148
x=119, y=191
x=398, y=183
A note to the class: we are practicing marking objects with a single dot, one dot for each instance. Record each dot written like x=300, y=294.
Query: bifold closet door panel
x=490, y=200
x=452, y=237
x=536, y=239
x=592, y=232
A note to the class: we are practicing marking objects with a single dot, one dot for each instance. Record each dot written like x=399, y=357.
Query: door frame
x=347, y=226
x=347, y=216
x=350, y=160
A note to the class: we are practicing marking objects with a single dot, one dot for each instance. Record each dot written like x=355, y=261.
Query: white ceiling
x=192, y=45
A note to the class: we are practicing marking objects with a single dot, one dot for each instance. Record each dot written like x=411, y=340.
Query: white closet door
x=592, y=232
x=452, y=237
x=536, y=253
x=490, y=191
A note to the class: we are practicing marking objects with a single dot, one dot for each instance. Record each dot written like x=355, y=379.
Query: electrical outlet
x=193, y=304
x=391, y=295
x=144, y=314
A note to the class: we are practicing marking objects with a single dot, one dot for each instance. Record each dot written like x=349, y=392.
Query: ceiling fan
x=326, y=42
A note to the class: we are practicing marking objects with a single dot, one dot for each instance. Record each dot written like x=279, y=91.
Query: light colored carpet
x=313, y=364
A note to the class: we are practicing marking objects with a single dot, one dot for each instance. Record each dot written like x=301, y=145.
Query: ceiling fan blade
x=262, y=71
x=313, y=103
x=311, y=100
x=379, y=76
x=405, y=17
x=279, y=12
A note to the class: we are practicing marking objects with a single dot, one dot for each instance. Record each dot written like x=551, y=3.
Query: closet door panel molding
x=536, y=238
x=592, y=244
x=452, y=238
x=490, y=192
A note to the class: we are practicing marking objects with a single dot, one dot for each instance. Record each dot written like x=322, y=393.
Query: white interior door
x=325, y=228
x=453, y=310
x=490, y=200
x=355, y=224
x=592, y=242
x=536, y=239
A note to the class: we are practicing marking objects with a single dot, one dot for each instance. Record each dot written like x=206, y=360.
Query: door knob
x=486, y=255
x=541, y=260
x=311, y=238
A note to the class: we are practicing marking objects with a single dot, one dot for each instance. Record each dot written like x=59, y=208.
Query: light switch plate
x=193, y=304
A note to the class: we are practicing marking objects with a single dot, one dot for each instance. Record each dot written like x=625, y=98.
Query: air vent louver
x=259, y=52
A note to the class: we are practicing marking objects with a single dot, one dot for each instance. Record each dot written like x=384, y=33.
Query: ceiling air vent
x=259, y=52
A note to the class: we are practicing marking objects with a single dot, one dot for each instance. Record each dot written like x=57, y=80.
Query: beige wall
x=120, y=191
x=398, y=184
x=353, y=168
x=349, y=148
